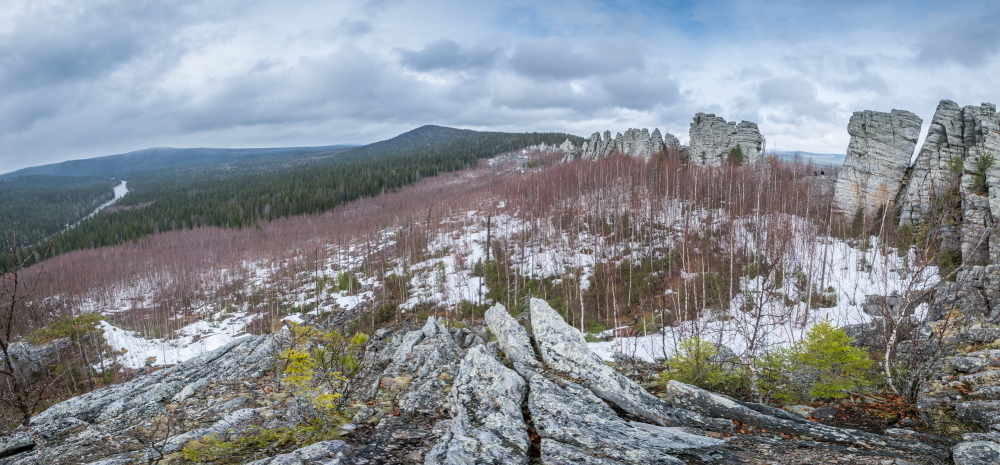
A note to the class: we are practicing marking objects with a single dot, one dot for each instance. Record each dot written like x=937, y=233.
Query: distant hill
x=829, y=159
x=161, y=158
x=173, y=189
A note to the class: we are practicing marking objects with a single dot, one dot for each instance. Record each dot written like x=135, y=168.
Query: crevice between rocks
x=17, y=450
x=535, y=445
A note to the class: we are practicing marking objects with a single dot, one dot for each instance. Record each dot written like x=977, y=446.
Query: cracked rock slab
x=715, y=405
x=564, y=348
x=488, y=426
x=573, y=416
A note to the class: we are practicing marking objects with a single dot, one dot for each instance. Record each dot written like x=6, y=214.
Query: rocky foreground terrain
x=434, y=395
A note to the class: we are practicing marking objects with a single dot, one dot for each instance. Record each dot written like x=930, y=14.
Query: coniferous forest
x=236, y=195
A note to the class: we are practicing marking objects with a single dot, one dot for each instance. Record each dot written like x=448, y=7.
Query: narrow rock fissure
x=535, y=445
x=17, y=450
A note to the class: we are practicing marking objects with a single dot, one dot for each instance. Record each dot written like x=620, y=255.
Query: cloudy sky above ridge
x=87, y=78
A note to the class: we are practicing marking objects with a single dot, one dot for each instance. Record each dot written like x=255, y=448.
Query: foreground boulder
x=115, y=423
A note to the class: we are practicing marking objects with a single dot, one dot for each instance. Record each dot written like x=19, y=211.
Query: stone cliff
x=952, y=188
x=877, y=158
x=712, y=139
x=954, y=175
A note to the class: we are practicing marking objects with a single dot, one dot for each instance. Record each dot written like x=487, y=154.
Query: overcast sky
x=82, y=78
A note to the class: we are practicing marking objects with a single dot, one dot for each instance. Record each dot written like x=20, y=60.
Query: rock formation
x=712, y=138
x=954, y=185
x=877, y=158
x=566, y=147
x=956, y=154
x=634, y=143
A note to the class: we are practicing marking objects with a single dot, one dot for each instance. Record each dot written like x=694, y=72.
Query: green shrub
x=346, y=282
x=469, y=309
x=735, y=155
x=66, y=326
x=697, y=362
x=385, y=312
x=835, y=365
x=978, y=182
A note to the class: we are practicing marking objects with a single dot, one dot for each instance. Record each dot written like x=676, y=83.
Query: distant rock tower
x=960, y=144
x=712, y=138
x=877, y=158
x=634, y=143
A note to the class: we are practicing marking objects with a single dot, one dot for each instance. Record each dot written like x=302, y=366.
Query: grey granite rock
x=16, y=443
x=487, y=425
x=956, y=142
x=877, y=158
x=572, y=415
x=513, y=340
x=320, y=453
x=421, y=358
x=564, y=348
x=714, y=405
x=634, y=142
x=711, y=139
x=95, y=426
x=976, y=453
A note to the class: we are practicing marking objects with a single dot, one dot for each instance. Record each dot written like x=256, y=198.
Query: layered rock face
x=956, y=158
x=712, y=138
x=877, y=158
x=634, y=143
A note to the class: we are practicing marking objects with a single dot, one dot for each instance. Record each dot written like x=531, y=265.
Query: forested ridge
x=42, y=205
x=235, y=195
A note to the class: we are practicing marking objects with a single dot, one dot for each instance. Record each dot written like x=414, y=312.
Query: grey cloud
x=349, y=83
x=555, y=57
x=354, y=28
x=842, y=71
x=640, y=91
x=797, y=97
x=69, y=45
x=448, y=54
x=965, y=40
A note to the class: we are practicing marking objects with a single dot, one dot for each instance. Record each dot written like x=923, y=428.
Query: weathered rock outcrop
x=635, y=143
x=877, y=159
x=487, y=424
x=431, y=400
x=422, y=368
x=99, y=424
x=712, y=138
x=956, y=154
x=574, y=425
x=564, y=348
x=566, y=147
x=715, y=405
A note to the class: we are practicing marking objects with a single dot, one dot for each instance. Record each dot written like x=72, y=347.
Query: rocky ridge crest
x=634, y=143
x=446, y=396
